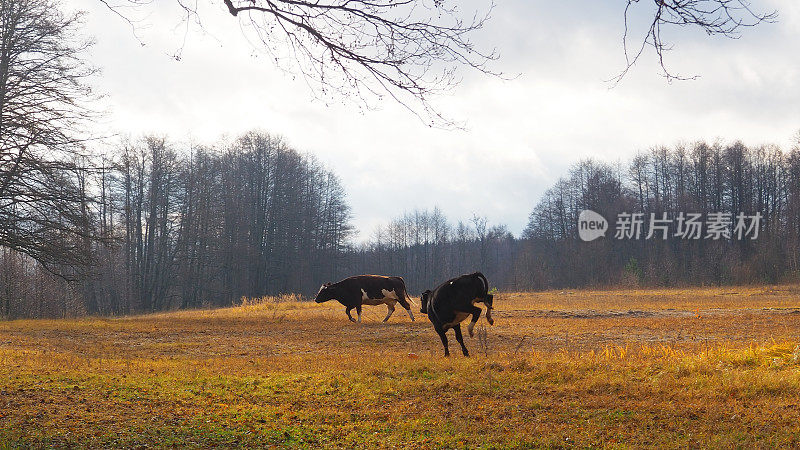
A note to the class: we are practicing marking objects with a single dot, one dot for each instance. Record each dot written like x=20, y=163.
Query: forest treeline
x=701, y=178
x=165, y=229
x=158, y=226
x=695, y=179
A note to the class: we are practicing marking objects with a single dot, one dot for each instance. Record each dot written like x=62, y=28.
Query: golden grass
x=714, y=367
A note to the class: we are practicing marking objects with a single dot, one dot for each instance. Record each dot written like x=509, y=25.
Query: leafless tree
x=210, y=225
x=725, y=18
x=361, y=49
x=43, y=90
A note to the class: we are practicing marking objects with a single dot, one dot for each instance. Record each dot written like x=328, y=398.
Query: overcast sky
x=521, y=134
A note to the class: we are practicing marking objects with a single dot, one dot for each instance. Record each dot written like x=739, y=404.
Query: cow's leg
x=443, y=337
x=390, y=307
x=404, y=303
x=460, y=340
x=476, y=314
x=358, y=310
x=347, y=311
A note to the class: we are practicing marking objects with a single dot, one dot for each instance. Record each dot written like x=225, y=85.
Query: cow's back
x=366, y=287
x=457, y=294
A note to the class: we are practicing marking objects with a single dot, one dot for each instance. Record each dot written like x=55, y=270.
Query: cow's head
x=488, y=301
x=423, y=301
x=326, y=292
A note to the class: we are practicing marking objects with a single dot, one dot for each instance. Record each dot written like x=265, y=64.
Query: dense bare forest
x=698, y=178
x=165, y=227
x=169, y=228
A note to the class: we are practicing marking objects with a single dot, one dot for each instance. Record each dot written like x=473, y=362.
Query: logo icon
x=591, y=225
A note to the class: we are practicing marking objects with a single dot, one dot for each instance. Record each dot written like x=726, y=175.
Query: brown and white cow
x=453, y=301
x=367, y=290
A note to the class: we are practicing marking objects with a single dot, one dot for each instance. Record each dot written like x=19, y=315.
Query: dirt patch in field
x=581, y=314
x=597, y=314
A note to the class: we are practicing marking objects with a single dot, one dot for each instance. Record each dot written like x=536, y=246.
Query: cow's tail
x=405, y=292
x=484, y=281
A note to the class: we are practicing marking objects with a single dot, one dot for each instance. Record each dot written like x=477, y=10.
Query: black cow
x=453, y=301
x=367, y=290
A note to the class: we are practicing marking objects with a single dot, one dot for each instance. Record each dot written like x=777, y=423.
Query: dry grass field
x=709, y=367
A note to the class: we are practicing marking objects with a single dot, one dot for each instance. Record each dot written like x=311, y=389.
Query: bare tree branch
x=363, y=50
x=715, y=17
